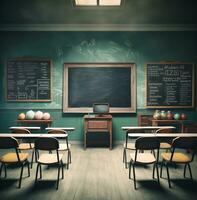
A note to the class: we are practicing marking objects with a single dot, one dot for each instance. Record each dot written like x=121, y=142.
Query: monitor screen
x=101, y=108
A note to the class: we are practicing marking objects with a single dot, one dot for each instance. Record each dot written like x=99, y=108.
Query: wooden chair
x=63, y=146
x=48, y=144
x=25, y=146
x=145, y=158
x=13, y=158
x=129, y=145
x=179, y=157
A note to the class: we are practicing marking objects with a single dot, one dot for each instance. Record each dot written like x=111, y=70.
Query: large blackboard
x=28, y=80
x=85, y=84
x=170, y=85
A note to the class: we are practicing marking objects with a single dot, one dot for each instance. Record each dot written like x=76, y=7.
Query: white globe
x=30, y=114
x=38, y=115
x=46, y=116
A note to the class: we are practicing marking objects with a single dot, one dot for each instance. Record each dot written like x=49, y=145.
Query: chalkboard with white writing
x=28, y=80
x=170, y=85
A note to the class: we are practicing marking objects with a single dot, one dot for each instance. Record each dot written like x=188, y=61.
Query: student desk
x=60, y=128
x=25, y=127
x=32, y=135
x=98, y=124
x=149, y=129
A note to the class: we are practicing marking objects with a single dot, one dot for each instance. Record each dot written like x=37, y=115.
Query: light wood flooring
x=98, y=174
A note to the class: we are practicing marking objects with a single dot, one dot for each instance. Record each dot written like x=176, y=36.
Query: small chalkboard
x=28, y=80
x=170, y=85
x=86, y=84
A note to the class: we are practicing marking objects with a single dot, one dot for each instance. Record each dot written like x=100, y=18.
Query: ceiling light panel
x=110, y=2
x=86, y=2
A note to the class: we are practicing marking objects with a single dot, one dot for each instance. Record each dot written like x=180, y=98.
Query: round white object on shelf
x=46, y=116
x=30, y=114
x=38, y=115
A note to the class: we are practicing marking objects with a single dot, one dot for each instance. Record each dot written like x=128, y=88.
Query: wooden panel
x=190, y=128
x=97, y=124
x=144, y=120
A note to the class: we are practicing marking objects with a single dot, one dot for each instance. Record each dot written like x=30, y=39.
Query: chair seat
x=12, y=157
x=165, y=145
x=178, y=157
x=63, y=147
x=145, y=158
x=49, y=158
x=129, y=146
x=26, y=146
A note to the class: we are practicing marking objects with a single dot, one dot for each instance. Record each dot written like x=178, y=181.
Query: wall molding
x=98, y=27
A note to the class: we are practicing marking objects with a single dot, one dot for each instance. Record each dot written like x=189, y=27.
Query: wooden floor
x=98, y=174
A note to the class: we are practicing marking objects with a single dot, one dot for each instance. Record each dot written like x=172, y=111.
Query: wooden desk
x=163, y=121
x=163, y=135
x=98, y=124
x=25, y=127
x=150, y=130
x=60, y=128
x=32, y=135
x=35, y=121
x=146, y=128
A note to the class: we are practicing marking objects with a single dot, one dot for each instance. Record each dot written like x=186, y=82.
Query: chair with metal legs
x=13, y=158
x=48, y=144
x=177, y=156
x=128, y=145
x=63, y=146
x=25, y=146
x=145, y=158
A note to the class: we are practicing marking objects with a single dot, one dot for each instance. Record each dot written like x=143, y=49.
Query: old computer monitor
x=101, y=108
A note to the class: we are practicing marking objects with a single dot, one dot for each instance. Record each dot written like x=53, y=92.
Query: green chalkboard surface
x=170, y=85
x=28, y=80
x=85, y=84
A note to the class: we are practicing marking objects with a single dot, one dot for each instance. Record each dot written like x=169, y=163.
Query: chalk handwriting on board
x=28, y=80
x=170, y=85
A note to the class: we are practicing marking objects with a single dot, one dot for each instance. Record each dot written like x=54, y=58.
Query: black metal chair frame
x=12, y=143
x=60, y=131
x=126, y=143
x=142, y=144
x=25, y=131
x=48, y=144
x=186, y=143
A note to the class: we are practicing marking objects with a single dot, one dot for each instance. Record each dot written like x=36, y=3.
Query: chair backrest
x=8, y=143
x=147, y=143
x=184, y=143
x=21, y=130
x=187, y=143
x=46, y=143
x=57, y=131
x=136, y=131
x=164, y=130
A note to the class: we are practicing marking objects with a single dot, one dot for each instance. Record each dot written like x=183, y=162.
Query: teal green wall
x=62, y=47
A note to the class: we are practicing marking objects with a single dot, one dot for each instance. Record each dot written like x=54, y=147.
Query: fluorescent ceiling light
x=109, y=2
x=86, y=2
x=97, y=2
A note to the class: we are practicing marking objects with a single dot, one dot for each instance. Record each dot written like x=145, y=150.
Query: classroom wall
x=63, y=47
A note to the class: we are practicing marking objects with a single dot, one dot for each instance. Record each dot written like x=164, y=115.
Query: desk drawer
x=96, y=124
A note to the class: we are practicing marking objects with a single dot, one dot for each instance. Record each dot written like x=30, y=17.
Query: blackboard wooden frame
x=173, y=63
x=130, y=109
x=46, y=60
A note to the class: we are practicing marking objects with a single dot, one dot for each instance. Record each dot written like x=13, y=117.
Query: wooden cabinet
x=180, y=123
x=98, y=124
